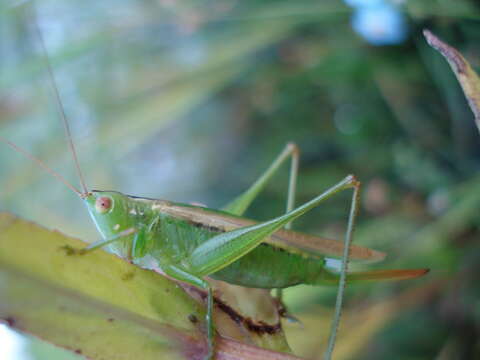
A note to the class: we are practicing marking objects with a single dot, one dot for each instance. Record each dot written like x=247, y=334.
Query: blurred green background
x=191, y=100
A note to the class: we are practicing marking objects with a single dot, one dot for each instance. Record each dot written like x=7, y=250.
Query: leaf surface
x=99, y=305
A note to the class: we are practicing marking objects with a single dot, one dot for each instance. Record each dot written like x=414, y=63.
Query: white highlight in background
x=11, y=345
x=334, y=264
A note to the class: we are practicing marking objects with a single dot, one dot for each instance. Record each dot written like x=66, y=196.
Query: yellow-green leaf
x=99, y=305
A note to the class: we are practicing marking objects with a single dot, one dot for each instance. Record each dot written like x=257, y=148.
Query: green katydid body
x=166, y=238
x=167, y=234
x=169, y=237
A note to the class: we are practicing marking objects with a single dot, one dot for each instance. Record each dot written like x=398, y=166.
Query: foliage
x=191, y=102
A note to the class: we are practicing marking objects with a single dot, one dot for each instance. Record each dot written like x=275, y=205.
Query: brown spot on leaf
x=128, y=276
x=71, y=251
x=192, y=318
x=258, y=327
x=10, y=321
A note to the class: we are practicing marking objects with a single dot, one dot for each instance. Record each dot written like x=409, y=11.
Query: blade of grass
x=466, y=76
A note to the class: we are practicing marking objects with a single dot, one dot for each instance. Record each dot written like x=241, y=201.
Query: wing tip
x=409, y=273
x=388, y=275
x=421, y=272
x=405, y=274
x=377, y=255
x=366, y=254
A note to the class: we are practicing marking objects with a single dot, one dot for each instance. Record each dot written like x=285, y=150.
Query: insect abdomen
x=269, y=267
x=265, y=267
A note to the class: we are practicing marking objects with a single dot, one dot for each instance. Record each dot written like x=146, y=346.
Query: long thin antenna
x=41, y=164
x=60, y=107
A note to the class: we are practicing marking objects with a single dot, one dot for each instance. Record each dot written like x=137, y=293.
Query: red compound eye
x=103, y=204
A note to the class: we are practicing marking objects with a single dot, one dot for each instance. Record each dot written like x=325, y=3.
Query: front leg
x=100, y=243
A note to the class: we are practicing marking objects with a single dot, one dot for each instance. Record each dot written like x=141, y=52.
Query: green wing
x=295, y=242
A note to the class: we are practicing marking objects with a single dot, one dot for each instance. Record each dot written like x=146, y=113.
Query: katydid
x=189, y=243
